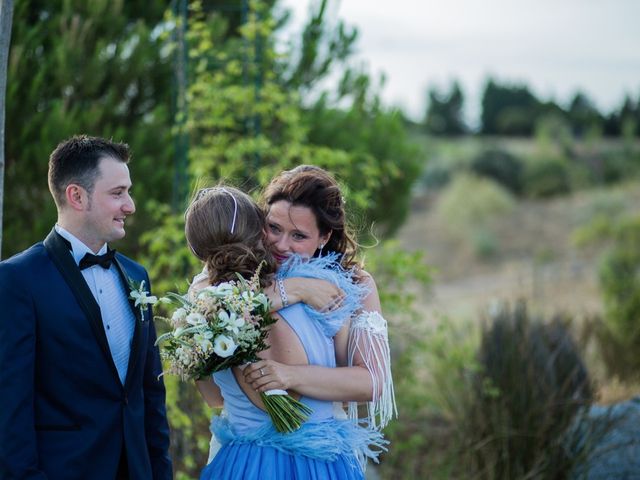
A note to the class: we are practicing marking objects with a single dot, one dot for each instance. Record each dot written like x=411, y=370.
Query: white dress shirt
x=111, y=296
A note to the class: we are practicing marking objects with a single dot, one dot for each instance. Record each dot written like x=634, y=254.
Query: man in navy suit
x=80, y=393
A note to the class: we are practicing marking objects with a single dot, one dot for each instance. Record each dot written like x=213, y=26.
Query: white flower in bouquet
x=203, y=339
x=221, y=290
x=224, y=346
x=196, y=318
x=231, y=321
x=179, y=317
x=183, y=355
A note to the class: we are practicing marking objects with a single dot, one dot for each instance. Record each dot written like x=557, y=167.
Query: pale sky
x=554, y=46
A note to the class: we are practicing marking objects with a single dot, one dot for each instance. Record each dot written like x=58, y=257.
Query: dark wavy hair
x=225, y=229
x=77, y=160
x=315, y=188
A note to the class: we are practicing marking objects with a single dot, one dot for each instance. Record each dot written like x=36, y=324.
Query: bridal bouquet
x=223, y=326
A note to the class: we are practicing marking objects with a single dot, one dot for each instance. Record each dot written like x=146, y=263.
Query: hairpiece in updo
x=224, y=228
x=203, y=191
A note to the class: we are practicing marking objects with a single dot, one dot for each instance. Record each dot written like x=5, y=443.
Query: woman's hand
x=320, y=295
x=266, y=375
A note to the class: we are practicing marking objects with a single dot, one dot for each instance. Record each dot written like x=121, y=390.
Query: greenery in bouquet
x=223, y=326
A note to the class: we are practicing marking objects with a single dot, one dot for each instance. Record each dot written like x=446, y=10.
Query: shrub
x=500, y=166
x=554, y=131
x=435, y=176
x=618, y=331
x=468, y=207
x=547, y=176
x=620, y=283
x=511, y=402
x=618, y=166
x=531, y=392
x=397, y=273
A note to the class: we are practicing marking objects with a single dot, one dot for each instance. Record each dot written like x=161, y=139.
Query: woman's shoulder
x=366, y=279
x=371, y=302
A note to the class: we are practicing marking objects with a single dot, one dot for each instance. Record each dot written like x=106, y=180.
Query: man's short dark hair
x=77, y=159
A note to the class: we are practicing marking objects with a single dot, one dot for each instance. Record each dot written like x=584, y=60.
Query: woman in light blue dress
x=224, y=228
x=305, y=214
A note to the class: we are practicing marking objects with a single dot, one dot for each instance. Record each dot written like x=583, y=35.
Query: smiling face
x=292, y=229
x=107, y=205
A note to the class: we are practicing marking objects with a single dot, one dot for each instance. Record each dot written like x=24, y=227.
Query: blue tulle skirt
x=240, y=461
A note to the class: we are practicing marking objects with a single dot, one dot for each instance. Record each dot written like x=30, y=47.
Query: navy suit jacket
x=64, y=414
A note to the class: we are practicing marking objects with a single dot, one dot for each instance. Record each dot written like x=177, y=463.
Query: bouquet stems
x=287, y=413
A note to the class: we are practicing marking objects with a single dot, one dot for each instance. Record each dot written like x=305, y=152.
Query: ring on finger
x=261, y=372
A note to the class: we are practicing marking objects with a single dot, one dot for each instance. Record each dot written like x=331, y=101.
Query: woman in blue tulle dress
x=305, y=215
x=224, y=229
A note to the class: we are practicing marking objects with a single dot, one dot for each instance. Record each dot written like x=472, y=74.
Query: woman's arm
x=368, y=346
x=320, y=295
x=362, y=350
x=339, y=384
x=210, y=392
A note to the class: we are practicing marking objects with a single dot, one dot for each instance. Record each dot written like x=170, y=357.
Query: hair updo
x=312, y=187
x=209, y=221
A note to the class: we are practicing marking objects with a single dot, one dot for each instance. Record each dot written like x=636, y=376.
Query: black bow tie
x=89, y=260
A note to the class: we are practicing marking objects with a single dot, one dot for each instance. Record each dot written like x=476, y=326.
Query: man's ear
x=77, y=197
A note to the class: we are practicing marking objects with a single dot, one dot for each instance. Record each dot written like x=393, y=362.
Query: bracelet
x=283, y=293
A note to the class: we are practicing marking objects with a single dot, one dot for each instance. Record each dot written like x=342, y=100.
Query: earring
x=320, y=248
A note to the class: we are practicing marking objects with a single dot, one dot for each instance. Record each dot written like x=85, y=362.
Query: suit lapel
x=61, y=256
x=137, y=334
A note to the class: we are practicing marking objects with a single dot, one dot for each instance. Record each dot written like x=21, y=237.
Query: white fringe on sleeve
x=368, y=338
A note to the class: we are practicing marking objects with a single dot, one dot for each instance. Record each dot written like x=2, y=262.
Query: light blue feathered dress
x=324, y=447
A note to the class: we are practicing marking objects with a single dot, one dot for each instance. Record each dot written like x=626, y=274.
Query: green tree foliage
x=583, y=116
x=352, y=122
x=508, y=110
x=445, y=114
x=323, y=46
x=247, y=122
x=75, y=67
x=383, y=163
x=6, y=19
x=625, y=121
x=514, y=110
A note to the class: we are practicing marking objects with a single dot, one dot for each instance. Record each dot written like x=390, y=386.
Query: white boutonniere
x=141, y=297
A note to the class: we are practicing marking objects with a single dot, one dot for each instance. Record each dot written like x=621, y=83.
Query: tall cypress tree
x=83, y=67
x=444, y=112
